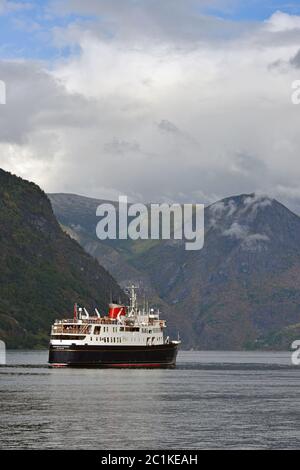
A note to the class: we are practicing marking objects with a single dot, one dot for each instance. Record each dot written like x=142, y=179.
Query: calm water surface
x=211, y=400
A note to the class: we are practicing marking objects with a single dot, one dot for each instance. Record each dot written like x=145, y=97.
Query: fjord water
x=212, y=400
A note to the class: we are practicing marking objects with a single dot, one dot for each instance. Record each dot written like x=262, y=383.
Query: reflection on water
x=211, y=400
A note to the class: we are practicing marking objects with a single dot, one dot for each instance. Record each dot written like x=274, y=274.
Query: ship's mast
x=132, y=300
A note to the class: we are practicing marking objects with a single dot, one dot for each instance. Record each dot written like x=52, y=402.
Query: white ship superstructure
x=136, y=328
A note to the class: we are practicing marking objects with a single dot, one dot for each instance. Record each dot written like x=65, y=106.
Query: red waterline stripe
x=58, y=365
x=137, y=365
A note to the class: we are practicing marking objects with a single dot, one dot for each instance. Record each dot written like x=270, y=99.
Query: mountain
x=241, y=291
x=242, y=288
x=42, y=270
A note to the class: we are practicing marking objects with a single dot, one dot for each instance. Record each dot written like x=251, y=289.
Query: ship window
x=67, y=337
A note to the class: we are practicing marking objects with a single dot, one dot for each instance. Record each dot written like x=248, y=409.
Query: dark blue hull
x=160, y=356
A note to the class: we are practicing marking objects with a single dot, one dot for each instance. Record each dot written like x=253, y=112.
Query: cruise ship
x=128, y=336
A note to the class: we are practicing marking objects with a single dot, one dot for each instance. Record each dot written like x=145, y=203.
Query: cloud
x=157, y=103
x=170, y=21
x=250, y=241
x=121, y=147
x=256, y=202
x=167, y=126
x=295, y=60
x=218, y=210
x=281, y=21
x=37, y=101
x=236, y=231
x=9, y=6
x=228, y=217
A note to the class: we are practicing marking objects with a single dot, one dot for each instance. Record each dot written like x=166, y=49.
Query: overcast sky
x=180, y=100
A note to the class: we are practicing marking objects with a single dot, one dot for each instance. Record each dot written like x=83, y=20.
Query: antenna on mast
x=132, y=299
